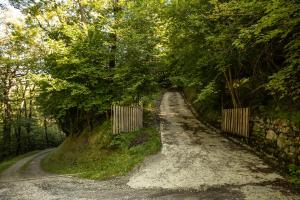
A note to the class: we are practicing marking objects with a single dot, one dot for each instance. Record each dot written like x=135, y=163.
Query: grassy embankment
x=9, y=162
x=99, y=155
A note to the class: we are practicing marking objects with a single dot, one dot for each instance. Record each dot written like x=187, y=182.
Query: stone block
x=295, y=128
x=271, y=135
x=282, y=141
x=285, y=129
x=284, y=123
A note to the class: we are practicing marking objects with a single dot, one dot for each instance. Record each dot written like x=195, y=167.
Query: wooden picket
x=126, y=118
x=236, y=121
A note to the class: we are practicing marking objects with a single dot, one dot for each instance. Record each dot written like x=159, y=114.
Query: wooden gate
x=126, y=118
x=236, y=121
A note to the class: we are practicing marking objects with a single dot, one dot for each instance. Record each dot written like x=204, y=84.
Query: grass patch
x=7, y=163
x=100, y=155
x=25, y=166
x=294, y=174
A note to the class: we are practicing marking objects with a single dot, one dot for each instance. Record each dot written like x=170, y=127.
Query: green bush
x=294, y=172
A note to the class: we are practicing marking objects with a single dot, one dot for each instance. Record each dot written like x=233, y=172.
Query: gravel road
x=16, y=172
x=194, y=163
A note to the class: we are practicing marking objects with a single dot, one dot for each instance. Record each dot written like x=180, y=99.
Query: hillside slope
x=100, y=155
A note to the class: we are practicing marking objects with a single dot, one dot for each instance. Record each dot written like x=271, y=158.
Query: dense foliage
x=236, y=53
x=23, y=127
x=95, y=53
x=81, y=56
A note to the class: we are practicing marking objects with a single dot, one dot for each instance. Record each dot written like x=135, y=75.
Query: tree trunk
x=89, y=121
x=7, y=120
x=29, y=118
x=46, y=131
x=23, y=109
x=113, y=46
x=233, y=93
x=18, y=140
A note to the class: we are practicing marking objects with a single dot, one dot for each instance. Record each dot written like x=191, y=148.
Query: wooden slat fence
x=126, y=118
x=236, y=121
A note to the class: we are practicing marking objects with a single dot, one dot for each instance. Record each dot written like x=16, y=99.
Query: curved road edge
x=32, y=169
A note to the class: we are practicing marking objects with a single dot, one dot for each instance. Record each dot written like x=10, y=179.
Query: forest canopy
x=67, y=61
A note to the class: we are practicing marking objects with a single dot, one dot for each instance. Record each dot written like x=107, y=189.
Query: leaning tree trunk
x=233, y=93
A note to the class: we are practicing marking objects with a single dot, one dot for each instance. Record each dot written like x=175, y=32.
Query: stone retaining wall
x=279, y=138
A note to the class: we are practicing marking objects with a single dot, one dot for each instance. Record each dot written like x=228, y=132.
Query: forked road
x=194, y=163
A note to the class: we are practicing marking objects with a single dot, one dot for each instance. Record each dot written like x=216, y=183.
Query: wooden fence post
x=114, y=118
x=126, y=118
x=141, y=115
x=236, y=121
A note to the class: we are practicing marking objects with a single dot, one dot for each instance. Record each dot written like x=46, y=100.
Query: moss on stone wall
x=280, y=138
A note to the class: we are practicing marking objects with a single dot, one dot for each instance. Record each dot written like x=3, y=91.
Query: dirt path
x=195, y=163
x=195, y=157
x=16, y=172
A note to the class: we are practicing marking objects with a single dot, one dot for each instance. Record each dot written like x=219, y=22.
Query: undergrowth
x=101, y=155
x=294, y=172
